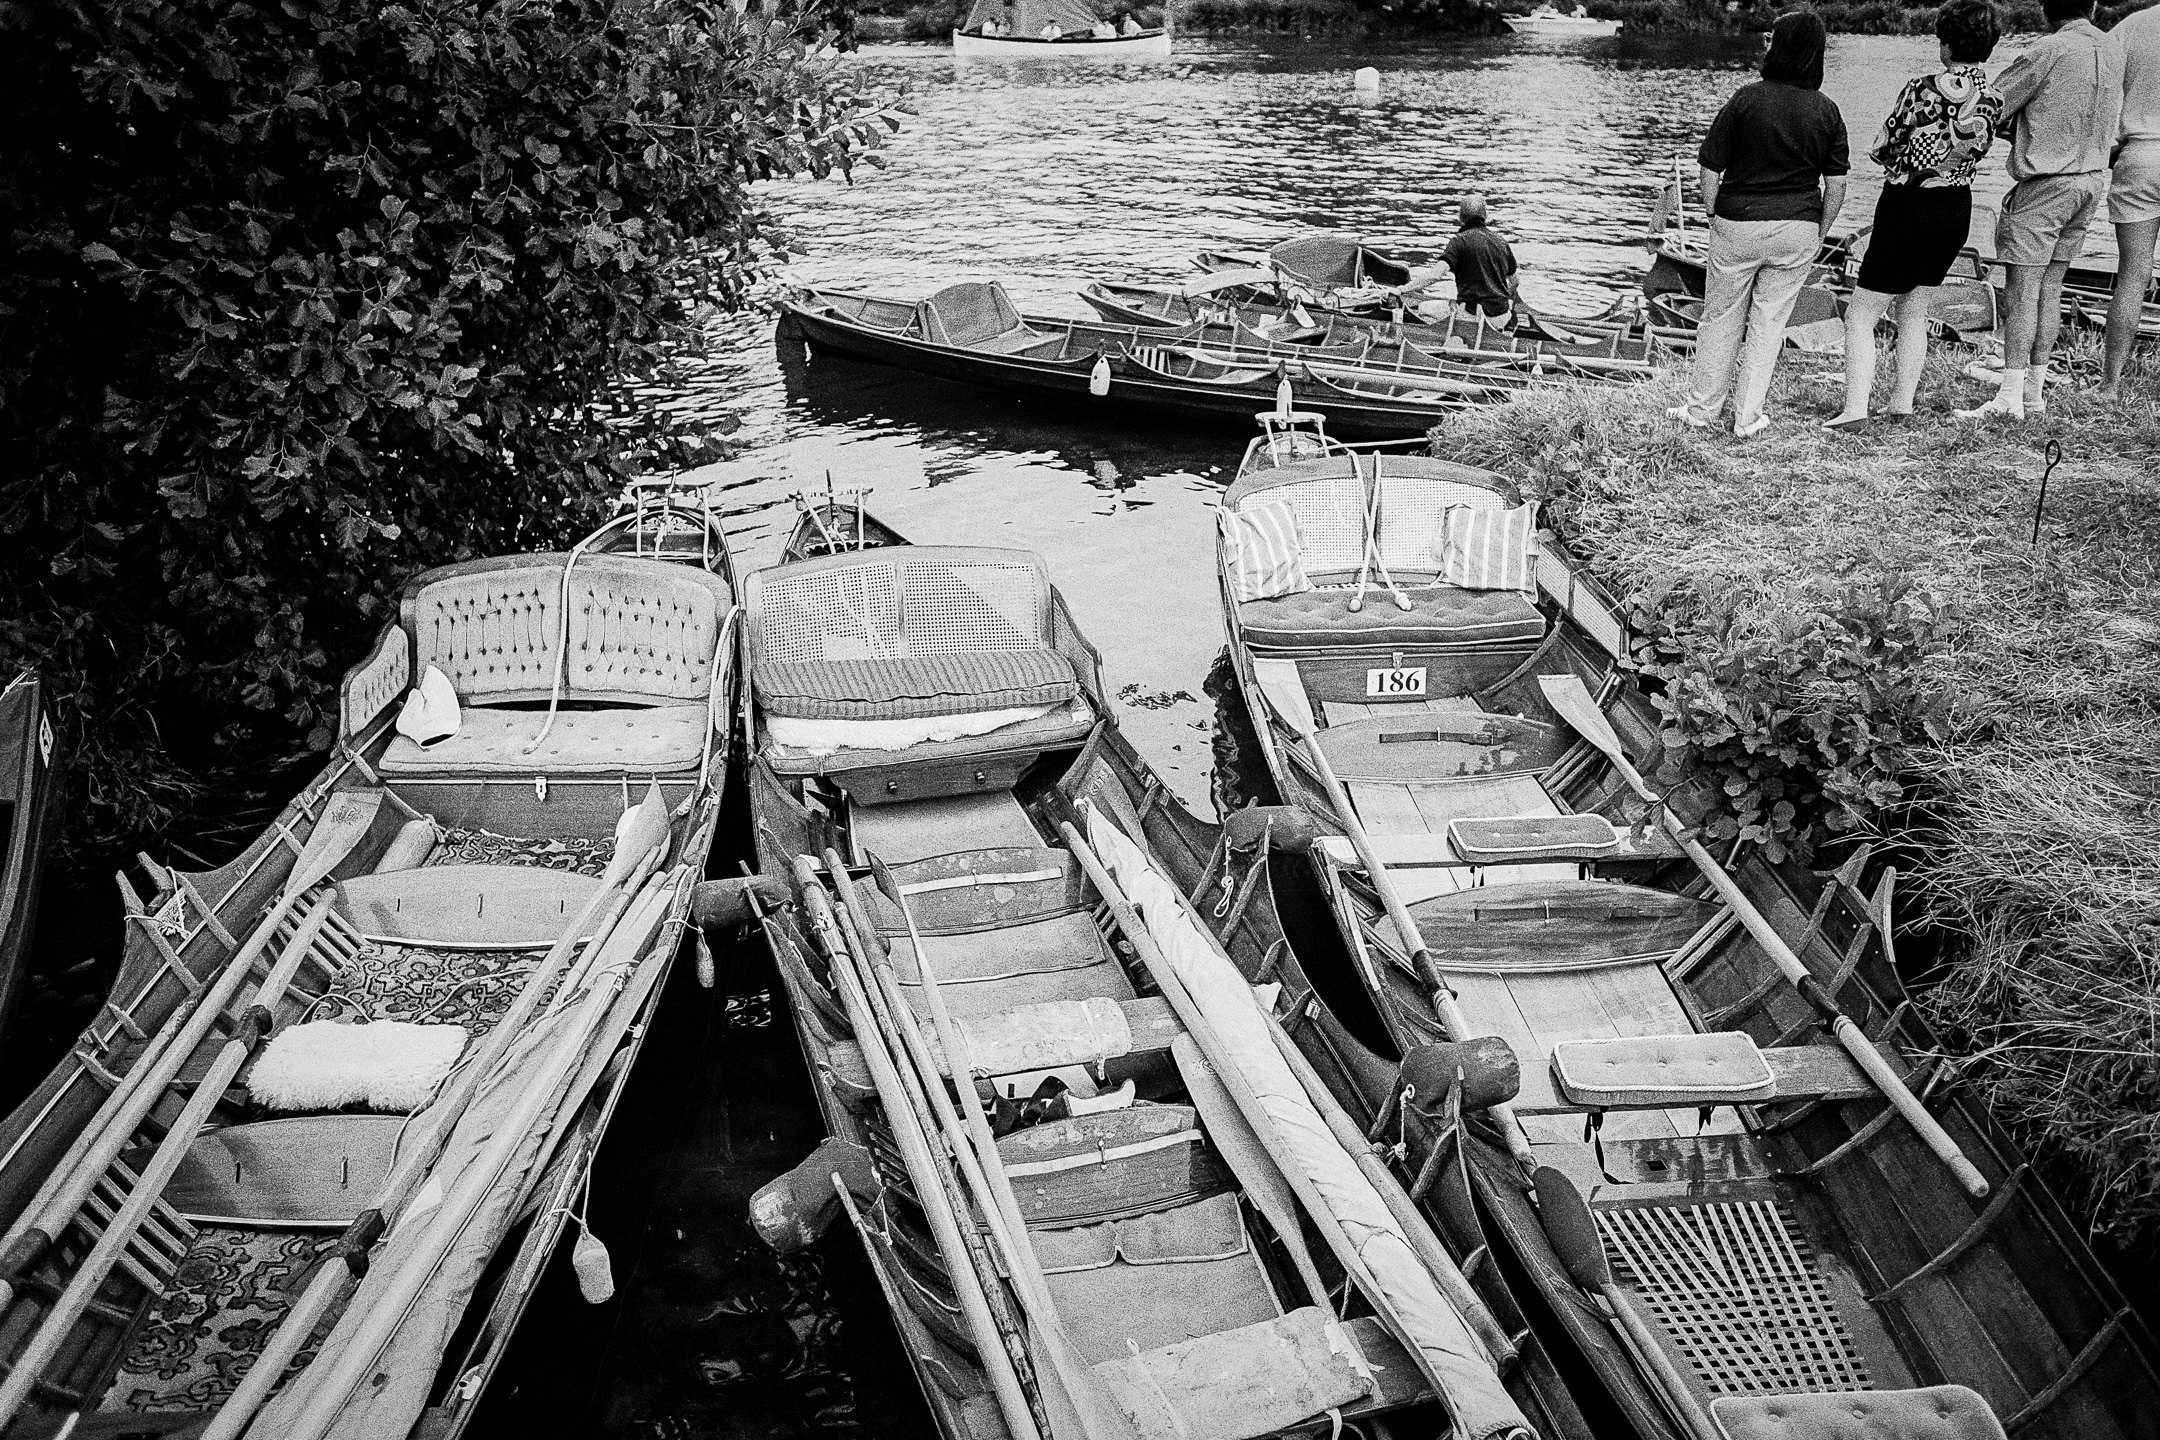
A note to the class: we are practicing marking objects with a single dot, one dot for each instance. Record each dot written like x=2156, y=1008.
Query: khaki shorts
x=2134, y=188
x=2044, y=219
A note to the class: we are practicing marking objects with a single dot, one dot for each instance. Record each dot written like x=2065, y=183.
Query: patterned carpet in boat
x=472, y=988
x=218, y=1310
x=552, y=852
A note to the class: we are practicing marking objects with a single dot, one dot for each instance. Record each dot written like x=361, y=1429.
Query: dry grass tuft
x=2040, y=811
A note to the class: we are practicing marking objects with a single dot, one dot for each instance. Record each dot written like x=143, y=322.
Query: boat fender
x=595, y=1273
x=1099, y=377
x=1284, y=827
x=720, y=905
x=1489, y=1074
x=409, y=848
x=793, y=1210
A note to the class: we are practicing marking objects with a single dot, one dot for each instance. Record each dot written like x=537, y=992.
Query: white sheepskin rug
x=388, y=1065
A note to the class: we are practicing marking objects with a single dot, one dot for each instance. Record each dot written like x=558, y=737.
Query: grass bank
x=2032, y=812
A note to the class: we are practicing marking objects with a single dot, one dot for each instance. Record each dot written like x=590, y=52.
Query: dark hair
x=1797, y=39
x=1970, y=28
x=2061, y=12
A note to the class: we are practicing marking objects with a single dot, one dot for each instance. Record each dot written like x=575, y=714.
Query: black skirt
x=1918, y=233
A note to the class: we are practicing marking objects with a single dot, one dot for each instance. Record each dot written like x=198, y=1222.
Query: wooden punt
x=196, y=1185
x=1147, y=1228
x=33, y=806
x=973, y=333
x=1789, y=1238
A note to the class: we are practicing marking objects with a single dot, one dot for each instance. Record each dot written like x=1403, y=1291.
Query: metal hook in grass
x=2053, y=455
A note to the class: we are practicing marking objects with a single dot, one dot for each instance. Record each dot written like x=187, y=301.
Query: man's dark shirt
x=1773, y=144
x=1482, y=263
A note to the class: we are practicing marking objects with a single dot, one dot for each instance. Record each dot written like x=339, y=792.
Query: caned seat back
x=898, y=602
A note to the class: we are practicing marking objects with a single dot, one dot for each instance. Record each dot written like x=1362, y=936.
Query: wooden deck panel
x=922, y=828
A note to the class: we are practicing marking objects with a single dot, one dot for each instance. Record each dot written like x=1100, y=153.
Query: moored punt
x=971, y=332
x=1783, y=1206
x=33, y=803
x=1128, y=1218
x=302, y=1174
x=1056, y=30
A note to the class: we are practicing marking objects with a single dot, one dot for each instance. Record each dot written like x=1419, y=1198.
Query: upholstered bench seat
x=1438, y=615
x=1066, y=724
x=639, y=740
x=914, y=687
x=1722, y=1067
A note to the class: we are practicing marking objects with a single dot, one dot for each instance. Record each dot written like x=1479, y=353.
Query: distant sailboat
x=1056, y=30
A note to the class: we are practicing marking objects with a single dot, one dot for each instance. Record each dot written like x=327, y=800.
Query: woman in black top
x=1773, y=179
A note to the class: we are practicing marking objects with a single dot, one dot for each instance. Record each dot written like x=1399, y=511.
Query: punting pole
x=1079, y=1394
x=640, y=845
x=1406, y=930
x=346, y=817
x=1568, y=695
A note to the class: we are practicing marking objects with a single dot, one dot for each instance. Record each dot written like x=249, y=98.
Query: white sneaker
x=2011, y=408
x=1753, y=427
x=1685, y=414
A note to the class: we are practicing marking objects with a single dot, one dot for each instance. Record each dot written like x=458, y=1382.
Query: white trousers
x=1756, y=270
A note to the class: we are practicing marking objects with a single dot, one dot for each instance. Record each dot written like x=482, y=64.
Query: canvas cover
x=1447, y=1349
x=1027, y=17
x=1336, y=262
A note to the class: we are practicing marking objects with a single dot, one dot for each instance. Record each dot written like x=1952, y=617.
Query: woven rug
x=472, y=988
x=217, y=1312
x=554, y=852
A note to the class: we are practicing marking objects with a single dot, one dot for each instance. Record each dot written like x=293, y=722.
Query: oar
x=54, y=1326
x=1087, y=1405
x=346, y=817
x=641, y=836
x=1575, y=1239
x=1567, y=695
x=1406, y=931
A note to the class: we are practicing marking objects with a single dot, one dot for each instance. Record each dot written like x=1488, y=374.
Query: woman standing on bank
x=1935, y=135
x=1773, y=179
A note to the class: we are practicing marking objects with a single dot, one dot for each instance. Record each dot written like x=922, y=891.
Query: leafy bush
x=301, y=298
x=1808, y=722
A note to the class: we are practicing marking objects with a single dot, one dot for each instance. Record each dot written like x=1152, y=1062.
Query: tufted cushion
x=660, y=740
x=640, y=629
x=1068, y=724
x=913, y=687
x=1439, y=615
x=1942, y=1412
x=1721, y=1068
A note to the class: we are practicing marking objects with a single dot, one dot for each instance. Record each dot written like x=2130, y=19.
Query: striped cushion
x=914, y=687
x=1261, y=543
x=1486, y=549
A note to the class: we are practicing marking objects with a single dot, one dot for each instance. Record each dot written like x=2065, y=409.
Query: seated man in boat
x=1127, y=25
x=1486, y=276
x=1103, y=30
x=1053, y=31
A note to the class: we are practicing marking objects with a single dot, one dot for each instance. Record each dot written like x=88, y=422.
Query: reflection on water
x=1045, y=179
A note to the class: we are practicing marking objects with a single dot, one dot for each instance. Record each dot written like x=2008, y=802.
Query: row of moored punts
x=1571, y=1129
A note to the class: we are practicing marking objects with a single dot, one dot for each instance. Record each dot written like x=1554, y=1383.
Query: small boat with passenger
x=1550, y=19
x=1058, y=30
x=302, y=1174
x=1736, y=1169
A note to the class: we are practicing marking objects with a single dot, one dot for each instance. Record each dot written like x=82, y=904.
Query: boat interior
x=223, y=1132
x=1784, y=1229
x=1162, y=1266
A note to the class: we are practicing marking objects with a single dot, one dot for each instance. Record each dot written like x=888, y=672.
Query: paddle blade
x=346, y=817
x=638, y=831
x=1572, y=699
x=1572, y=1229
x=882, y=877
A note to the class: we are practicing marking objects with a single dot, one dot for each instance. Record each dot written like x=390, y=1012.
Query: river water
x=1044, y=178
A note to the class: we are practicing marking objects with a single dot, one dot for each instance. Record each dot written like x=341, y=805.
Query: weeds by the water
x=2039, y=810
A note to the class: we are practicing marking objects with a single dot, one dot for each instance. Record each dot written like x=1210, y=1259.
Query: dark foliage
x=301, y=297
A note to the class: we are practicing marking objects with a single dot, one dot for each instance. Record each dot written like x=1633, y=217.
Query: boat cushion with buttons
x=662, y=739
x=1644, y=1071
x=1438, y=615
x=1068, y=724
x=1941, y=1412
x=912, y=687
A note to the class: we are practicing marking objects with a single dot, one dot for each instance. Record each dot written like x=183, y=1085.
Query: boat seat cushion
x=1255, y=1380
x=1066, y=724
x=914, y=687
x=1940, y=1412
x=1261, y=544
x=1438, y=615
x=660, y=739
x=1504, y=839
x=1481, y=548
x=1638, y=1071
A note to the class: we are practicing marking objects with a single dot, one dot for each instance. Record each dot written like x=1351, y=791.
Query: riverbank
x=2031, y=815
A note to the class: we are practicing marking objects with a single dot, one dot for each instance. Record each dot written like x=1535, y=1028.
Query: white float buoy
x=1099, y=377
x=1366, y=81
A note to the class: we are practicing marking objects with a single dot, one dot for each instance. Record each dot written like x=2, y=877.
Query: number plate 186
x=1403, y=682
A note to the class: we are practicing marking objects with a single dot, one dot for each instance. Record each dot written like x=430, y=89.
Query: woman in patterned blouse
x=1937, y=132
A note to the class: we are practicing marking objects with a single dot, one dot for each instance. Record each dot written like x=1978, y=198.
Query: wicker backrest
x=1328, y=495
x=1414, y=491
x=1328, y=498
x=905, y=600
x=967, y=314
x=641, y=630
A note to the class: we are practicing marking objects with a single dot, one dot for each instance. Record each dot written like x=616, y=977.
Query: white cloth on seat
x=824, y=737
x=661, y=738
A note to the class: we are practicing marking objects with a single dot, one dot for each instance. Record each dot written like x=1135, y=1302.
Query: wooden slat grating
x=1739, y=1293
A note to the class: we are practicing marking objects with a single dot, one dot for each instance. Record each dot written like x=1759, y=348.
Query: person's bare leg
x=2046, y=331
x=1862, y=313
x=1912, y=349
x=2020, y=322
x=2126, y=308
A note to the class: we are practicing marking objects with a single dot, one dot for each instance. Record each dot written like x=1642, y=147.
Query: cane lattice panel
x=1740, y=1293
